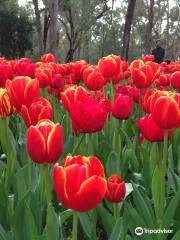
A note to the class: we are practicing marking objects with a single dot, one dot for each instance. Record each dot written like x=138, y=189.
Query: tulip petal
x=36, y=146
x=90, y=194
x=25, y=115
x=55, y=143
x=59, y=180
x=31, y=91
x=96, y=167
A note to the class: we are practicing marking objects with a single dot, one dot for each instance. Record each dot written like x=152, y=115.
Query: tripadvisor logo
x=139, y=231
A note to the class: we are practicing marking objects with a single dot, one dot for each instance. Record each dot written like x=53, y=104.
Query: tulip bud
x=44, y=141
x=116, y=189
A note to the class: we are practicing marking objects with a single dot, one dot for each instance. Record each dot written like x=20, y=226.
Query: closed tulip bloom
x=6, y=107
x=48, y=58
x=39, y=109
x=44, y=75
x=93, y=78
x=166, y=112
x=5, y=73
x=89, y=116
x=22, y=91
x=73, y=94
x=148, y=58
x=109, y=66
x=122, y=106
x=116, y=189
x=24, y=67
x=163, y=80
x=175, y=80
x=44, y=141
x=142, y=77
x=150, y=130
x=80, y=183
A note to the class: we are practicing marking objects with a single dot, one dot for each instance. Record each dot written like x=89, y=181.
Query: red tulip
x=122, y=106
x=44, y=74
x=109, y=66
x=116, y=189
x=48, y=57
x=44, y=141
x=166, y=112
x=73, y=94
x=175, y=80
x=148, y=58
x=24, y=67
x=6, y=107
x=163, y=80
x=39, y=109
x=80, y=183
x=5, y=73
x=22, y=91
x=88, y=116
x=142, y=77
x=150, y=130
x=93, y=78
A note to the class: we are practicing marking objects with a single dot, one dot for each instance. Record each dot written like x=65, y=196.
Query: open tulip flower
x=44, y=141
x=6, y=107
x=116, y=189
x=39, y=109
x=150, y=130
x=22, y=91
x=93, y=78
x=80, y=183
x=88, y=116
x=175, y=80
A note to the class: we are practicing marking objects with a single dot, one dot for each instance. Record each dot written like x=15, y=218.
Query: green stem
x=45, y=184
x=90, y=144
x=139, y=107
x=75, y=225
x=78, y=144
x=115, y=210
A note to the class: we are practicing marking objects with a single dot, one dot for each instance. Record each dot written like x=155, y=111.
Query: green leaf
x=106, y=219
x=158, y=192
x=88, y=223
x=65, y=215
x=53, y=225
x=143, y=207
x=116, y=230
x=3, y=234
x=176, y=236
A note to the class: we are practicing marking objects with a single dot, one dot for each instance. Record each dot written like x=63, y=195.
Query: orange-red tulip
x=88, y=116
x=48, y=57
x=150, y=130
x=22, y=91
x=166, y=112
x=122, y=106
x=109, y=66
x=73, y=94
x=175, y=80
x=6, y=107
x=39, y=109
x=44, y=141
x=80, y=183
x=93, y=78
x=116, y=189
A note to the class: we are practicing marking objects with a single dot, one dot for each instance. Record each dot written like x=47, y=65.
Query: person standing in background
x=158, y=52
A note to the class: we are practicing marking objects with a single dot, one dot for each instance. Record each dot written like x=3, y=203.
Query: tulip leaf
x=88, y=224
x=142, y=202
x=116, y=230
x=176, y=148
x=106, y=218
x=176, y=236
x=53, y=230
x=3, y=234
x=65, y=215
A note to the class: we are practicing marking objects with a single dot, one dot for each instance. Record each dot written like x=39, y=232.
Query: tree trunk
x=148, y=36
x=127, y=28
x=53, y=26
x=46, y=27
x=38, y=26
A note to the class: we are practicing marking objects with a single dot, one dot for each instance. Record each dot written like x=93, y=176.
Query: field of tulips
x=89, y=152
